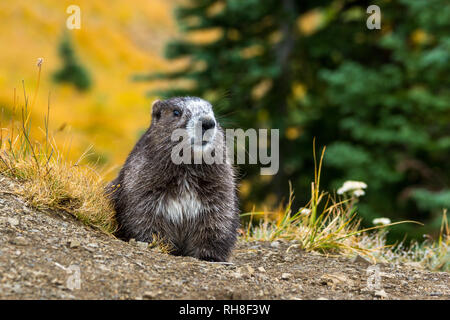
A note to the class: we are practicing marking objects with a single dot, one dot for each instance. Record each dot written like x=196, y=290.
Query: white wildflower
x=355, y=186
x=305, y=211
x=381, y=221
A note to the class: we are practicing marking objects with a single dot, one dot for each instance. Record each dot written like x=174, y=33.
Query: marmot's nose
x=207, y=123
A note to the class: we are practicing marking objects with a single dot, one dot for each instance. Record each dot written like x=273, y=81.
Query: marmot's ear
x=156, y=109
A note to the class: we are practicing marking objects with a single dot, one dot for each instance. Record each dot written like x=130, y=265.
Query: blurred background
x=378, y=99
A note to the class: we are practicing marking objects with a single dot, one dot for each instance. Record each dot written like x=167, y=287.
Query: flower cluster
x=381, y=221
x=355, y=187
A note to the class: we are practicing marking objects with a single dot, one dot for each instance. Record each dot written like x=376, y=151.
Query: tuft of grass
x=429, y=254
x=47, y=180
x=330, y=225
x=161, y=245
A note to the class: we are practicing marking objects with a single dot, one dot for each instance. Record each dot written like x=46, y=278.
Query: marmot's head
x=192, y=114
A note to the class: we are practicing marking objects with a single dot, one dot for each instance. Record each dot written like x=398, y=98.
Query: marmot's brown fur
x=193, y=207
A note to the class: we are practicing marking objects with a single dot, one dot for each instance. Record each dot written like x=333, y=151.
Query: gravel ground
x=48, y=255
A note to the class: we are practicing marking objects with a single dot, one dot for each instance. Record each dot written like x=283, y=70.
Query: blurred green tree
x=72, y=70
x=379, y=99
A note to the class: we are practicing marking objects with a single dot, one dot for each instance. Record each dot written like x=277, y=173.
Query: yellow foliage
x=245, y=188
x=299, y=90
x=252, y=51
x=117, y=40
x=309, y=22
x=293, y=133
x=419, y=37
x=205, y=36
x=261, y=89
x=216, y=8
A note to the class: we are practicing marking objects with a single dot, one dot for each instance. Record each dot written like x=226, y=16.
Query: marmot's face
x=192, y=114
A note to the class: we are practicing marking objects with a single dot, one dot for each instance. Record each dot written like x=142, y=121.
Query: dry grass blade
x=48, y=181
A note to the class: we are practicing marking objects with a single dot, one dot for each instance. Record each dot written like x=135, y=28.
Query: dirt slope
x=41, y=255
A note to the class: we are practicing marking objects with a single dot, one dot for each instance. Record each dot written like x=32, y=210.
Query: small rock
x=250, y=270
x=387, y=275
x=288, y=258
x=436, y=294
x=381, y=294
x=149, y=295
x=335, y=279
x=286, y=276
x=91, y=250
x=38, y=273
x=17, y=288
x=360, y=260
x=132, y=241
x=261, y=269
x=237, y=275
x=275, y=244
x=414, y=265
x=141, y=244
x=74, y=244
x=20, y=241
x=56, y=282
x=13, y=222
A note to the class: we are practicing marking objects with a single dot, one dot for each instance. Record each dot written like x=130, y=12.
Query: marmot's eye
x=176, y=113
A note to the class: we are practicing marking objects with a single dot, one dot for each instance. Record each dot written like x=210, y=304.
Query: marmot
x=193, y=207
